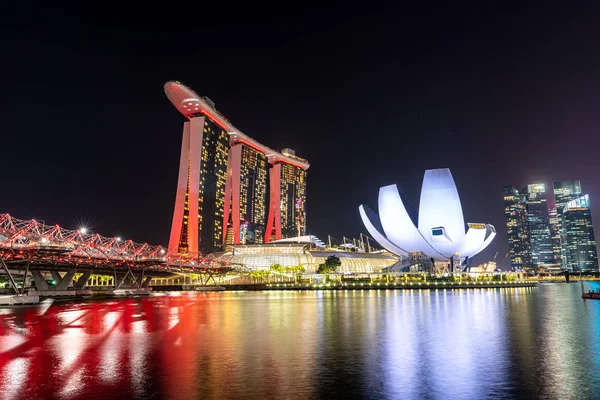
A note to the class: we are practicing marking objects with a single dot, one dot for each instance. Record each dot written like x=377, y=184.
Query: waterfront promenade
x=357, y=286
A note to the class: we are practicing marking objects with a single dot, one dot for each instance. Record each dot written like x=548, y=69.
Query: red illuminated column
x=189, y=168
x=196, y=134
x=232, y=192
x=274, y=203
x=177, y=224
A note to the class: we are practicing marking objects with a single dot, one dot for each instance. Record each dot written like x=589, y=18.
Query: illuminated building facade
x=517, y=227
x=289, y=191
x=305, y=253
x=564, y=191
x=254, y=189
x=201, y=186
x=440, y=231
x=230, y=188
x=580, y=252
x=539, y=230
x=576, y=228
x=555, y=235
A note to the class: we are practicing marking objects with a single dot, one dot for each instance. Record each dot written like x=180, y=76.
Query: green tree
x=260, y=274
x=330, y=265
x=276, y=268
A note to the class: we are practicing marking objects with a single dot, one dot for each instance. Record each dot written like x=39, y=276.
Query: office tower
x=537, y=219
x=225, y=179
x=564, y=191
x=515, y=210
x=555, y=235
x=580, y=252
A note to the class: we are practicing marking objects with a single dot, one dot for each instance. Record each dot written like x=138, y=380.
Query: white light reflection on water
x=14, y=376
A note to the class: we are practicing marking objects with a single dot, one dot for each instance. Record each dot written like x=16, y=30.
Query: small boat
x=592, y=294
x=210, y=288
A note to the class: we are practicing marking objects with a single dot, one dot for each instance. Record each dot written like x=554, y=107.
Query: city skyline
x=558, y=236
x=363, y=120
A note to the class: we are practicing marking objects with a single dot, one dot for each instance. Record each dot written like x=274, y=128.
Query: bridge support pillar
x=40, y=281
x=56, y=276
x=83, y=279
x=146, y=282
x=66, y=280
x=122, y=281
x=10, y=277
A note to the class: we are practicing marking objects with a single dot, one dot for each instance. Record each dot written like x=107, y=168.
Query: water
x=463, y=344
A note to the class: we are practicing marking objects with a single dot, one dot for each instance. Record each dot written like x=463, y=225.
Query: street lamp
x=83, y=230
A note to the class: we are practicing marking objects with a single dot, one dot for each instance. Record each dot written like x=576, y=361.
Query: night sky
x=500, y=94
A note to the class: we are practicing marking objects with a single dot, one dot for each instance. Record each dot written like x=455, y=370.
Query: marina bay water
x=439, y=344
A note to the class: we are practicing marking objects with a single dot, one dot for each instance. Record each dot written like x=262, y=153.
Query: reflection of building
x=539, y=231
x=515, y=210
x=580, y=249
x=230, y=185
x=308, y=252
x=440, y=232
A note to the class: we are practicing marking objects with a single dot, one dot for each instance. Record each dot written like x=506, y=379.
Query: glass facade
x=564, y=191
x=293, y=254
x=254, y=189
x=555, y=235
x=213, y=176
x=515, y=210
x=293, y=201
x=580, y=252
x=539, y=231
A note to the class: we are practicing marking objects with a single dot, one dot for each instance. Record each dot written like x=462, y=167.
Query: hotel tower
x=231, y=188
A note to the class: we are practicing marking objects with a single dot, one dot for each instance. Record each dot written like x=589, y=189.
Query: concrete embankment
x=402, y=285
x=362, y=286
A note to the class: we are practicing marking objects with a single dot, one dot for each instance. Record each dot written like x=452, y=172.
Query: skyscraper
x=198, y=218
x=539, y=231
x=227, y=181
x=289, y=191
x=555, y=235
x=564, y=191
x=580, y=245
x=246, y=192
x=515, y=210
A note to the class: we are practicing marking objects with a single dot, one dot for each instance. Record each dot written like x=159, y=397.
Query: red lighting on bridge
x=30, y=240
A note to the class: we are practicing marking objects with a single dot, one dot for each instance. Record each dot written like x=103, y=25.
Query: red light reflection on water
x=95, y=349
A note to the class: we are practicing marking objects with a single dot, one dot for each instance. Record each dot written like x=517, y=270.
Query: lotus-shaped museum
x=439, y=229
